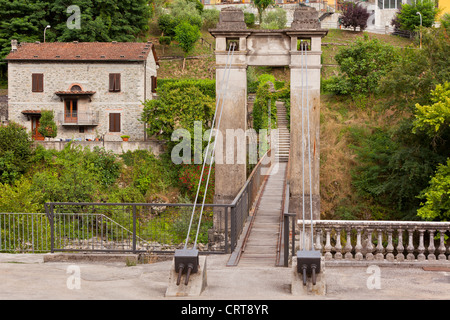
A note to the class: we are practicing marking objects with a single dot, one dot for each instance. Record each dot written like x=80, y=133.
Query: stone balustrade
x=391, y=241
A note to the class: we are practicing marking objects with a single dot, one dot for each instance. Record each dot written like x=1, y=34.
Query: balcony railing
x=78, y=118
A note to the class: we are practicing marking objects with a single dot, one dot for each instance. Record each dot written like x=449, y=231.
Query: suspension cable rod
x=227, y=66
x=232, y=47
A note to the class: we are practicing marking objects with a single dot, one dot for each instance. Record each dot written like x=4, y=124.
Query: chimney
x=13, y=45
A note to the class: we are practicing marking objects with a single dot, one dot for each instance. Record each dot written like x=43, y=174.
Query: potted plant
x=125, y=137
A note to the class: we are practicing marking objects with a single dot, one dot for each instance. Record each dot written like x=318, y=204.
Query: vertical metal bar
x=233, y=227
x=286, y=240
x=226, y=211
x=134, y=228
x=293, y=233
x=52, y=229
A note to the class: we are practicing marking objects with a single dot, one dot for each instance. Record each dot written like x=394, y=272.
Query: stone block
x=195, y=287
x=297, y=287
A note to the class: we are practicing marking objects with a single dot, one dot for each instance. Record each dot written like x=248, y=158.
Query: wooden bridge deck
x=260, y=248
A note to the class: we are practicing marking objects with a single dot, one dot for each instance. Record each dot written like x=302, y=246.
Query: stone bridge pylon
x=257, y=47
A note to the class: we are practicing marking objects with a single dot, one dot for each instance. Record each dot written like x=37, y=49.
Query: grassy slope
x=338, y=200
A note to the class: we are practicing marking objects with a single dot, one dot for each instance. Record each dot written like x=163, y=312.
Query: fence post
x=50, y=217
x=286, y=237
x=134, y=228
x=233, y=227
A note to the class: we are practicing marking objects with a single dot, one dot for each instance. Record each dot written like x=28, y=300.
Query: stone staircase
x=284, y=138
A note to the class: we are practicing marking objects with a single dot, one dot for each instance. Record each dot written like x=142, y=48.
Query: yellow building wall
x=445, y=6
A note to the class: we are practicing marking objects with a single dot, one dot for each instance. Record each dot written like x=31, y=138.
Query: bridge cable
x=226, y=70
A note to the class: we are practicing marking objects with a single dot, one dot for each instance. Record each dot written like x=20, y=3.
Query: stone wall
x=60, y=76
x=117, y=147
x=3, y=108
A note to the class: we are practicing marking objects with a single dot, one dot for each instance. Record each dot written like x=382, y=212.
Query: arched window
x=75, y=88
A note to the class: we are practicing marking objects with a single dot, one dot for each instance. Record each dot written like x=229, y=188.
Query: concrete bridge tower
x=270, y=48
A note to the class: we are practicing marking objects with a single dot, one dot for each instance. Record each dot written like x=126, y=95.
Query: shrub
x=47, y=124
x=362, y=65
x=210, y=18
x=15, y=152
x=408, y=19
x=274, y=19
x=190, y=177
x=354, y=15
x=249, y=19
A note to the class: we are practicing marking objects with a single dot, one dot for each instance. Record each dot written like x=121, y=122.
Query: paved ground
x=28, y=277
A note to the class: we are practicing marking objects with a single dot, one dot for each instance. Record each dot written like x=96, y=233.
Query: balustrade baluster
x=410, y=247
x=400, y=247
x=431, y=248
x=389, y=248
x=327, y=248
x=348, y=246
x=380, y=249
x=369, y=248
x=442, y=248
x=421, y=247
x=338, y=247
x=358, y=247
x=318, y=244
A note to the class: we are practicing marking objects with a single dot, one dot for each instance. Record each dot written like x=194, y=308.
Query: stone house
x=94, y=89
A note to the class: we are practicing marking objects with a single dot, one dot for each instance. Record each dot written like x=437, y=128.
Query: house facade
x=95, y=90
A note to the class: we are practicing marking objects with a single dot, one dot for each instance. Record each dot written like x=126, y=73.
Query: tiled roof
x=74, y=92
x=31, y=111
x=83, y=51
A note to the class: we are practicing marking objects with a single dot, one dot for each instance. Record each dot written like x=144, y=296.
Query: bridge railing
x=387, y=241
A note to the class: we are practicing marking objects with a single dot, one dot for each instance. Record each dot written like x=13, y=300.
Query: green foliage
x=180, y=104
x=261, y=6
x=445, y=20
x=418, y=72
x=437, y=196
x=15, y=152
x=393, y=167
x=20, y=197
x=362, y=65
x=410, y=20
x=146, y=173
x=261, y=104
x=210, y=18
x=189, y=177
x=48, y=126
x=167, y=24
x=187, y=35
x=101, y=20
x=434, y=118
x=274, y=19
x=249, y=19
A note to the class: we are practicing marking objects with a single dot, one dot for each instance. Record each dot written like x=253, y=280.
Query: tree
x=15, y=152
x=433, y=119
x=187, y=35
x=275, y=19
x=261, y=6
x=354, y=15
x=362, y=66
x=47, y=124
x=407, y=16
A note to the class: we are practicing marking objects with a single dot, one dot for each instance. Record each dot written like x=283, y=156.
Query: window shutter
x=117, y=83
x=111, y=82
x=154, y=83
x=37, y=82
x=40, y=83
x=114, y=122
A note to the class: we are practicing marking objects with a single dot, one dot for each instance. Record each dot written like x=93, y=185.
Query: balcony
x=78, y=118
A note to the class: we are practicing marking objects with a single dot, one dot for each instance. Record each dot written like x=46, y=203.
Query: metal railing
x=78, y=118
x=152, y=227
x=24, y=232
